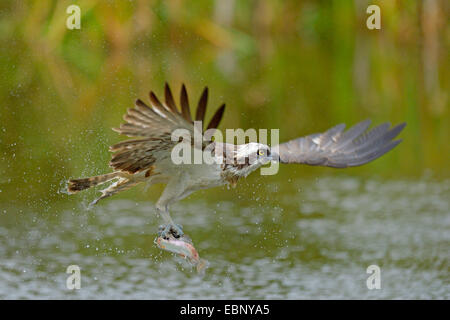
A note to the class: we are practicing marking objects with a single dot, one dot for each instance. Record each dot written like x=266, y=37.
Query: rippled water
x=313, y=239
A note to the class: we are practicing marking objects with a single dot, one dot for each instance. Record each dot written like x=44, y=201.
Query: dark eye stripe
x=262, y=152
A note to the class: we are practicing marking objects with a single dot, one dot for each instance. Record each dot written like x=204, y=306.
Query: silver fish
x=182, y=246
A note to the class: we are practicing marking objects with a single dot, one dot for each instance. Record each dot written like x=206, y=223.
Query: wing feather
x=339, y=149
x=154, y=126
x=161, y=109
x=201, y=108
x=184, y=102
x=217, y=117
x=169, y=98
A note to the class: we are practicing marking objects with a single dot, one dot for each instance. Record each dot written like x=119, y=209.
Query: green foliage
x=301, y=66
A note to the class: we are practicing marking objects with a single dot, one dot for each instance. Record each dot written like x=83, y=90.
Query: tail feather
x=76, y=185
x=123, y=182
x=121, y=185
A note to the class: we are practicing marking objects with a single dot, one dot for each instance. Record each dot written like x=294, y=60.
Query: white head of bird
x=249, y=157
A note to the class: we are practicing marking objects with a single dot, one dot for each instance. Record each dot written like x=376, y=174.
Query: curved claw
x=170, y=230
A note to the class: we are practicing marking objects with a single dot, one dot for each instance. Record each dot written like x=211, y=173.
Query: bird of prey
x=147, y=157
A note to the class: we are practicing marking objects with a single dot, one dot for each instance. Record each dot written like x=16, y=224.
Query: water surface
x=307, y=239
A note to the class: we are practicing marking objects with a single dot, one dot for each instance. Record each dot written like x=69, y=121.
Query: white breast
x=201, y=176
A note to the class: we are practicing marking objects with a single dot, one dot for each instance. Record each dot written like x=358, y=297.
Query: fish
x=184, y=247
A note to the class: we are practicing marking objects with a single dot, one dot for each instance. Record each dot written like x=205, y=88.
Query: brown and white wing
x=340, y=149
x=153, y=126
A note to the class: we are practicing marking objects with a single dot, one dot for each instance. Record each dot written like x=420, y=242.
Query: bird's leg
x=170, y=228
x=171, y=193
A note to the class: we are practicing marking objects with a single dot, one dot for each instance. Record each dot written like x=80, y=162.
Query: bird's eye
x=261, y=152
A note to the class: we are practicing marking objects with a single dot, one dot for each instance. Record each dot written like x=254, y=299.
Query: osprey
x=148, y=158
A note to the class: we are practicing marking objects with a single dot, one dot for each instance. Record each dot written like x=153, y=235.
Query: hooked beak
x=274, y=157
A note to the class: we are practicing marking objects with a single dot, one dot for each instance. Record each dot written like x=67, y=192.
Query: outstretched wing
x=338, y=149
x=154, y=126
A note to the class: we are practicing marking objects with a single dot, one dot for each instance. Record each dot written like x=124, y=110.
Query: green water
x=298, y=66
x=307, y=239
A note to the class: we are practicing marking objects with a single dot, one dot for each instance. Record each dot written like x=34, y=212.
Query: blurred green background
x=301, y=66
